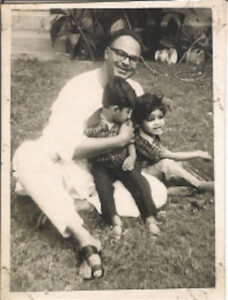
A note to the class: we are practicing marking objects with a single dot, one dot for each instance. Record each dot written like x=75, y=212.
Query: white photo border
x=219, y=73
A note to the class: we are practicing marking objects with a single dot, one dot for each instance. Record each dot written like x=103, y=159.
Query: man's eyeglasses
x=122, y=55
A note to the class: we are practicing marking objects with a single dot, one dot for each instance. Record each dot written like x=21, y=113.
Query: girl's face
x=154, y=124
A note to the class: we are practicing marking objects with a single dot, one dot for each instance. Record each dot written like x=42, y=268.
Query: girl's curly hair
x=148, y=103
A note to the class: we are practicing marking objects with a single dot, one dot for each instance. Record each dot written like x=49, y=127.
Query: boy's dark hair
x=119, y=92
x=124, y=31
x=146, y=104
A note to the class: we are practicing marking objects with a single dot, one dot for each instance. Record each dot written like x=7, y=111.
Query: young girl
x=149, y=115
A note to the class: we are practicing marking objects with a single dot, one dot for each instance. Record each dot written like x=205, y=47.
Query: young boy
x=119, y=98
x=149, y=115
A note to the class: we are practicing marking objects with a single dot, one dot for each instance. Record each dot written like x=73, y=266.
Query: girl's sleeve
x=151, y=152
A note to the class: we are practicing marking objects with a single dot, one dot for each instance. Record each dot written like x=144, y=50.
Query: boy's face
x=154, y=124
x=121, y=115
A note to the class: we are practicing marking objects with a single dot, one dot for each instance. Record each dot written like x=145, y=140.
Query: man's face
x=122, y=57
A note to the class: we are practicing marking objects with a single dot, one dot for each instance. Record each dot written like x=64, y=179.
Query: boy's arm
x=132, y=151
x=185, y=155
x=129, y=162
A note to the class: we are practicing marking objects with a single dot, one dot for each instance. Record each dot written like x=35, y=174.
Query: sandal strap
x=87, y=251
x=94, y=269
x=97, y=268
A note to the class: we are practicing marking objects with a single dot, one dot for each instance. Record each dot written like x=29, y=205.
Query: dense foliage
x=86, y=30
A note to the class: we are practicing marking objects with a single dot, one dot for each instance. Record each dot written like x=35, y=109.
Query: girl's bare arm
x=185, y=155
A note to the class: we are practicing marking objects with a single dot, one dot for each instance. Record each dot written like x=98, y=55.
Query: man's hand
x=204, y=155
x=126, y=133
x=128, y=164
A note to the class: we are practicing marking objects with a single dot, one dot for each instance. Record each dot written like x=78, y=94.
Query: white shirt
x=78, y=99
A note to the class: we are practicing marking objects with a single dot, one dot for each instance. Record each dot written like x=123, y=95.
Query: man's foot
x=85, y=271
x=152, y=226
x=206, y=186
x=91, y=267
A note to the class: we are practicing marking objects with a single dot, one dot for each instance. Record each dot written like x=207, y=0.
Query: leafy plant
x=86, y=29
x=78, y=27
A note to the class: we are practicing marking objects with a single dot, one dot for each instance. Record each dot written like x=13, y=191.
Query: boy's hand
x=204, y=155
x=128, y=164
x=126, y=133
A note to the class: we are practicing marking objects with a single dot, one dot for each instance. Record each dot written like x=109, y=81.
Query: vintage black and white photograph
x=113, y=149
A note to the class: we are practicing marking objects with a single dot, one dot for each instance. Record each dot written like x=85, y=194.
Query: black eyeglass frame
x=133, y=59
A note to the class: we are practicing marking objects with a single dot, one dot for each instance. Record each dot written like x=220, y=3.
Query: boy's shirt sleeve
x=151, y=152
x=94, y=127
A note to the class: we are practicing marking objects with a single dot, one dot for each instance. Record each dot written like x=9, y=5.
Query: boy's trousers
x=134, y=182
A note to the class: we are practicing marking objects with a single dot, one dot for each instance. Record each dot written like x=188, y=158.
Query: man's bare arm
x=92, y=147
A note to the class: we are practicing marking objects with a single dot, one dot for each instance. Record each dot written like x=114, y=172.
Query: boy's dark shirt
x=95, y=127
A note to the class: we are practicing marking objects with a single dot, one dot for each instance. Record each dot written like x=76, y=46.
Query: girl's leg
x=175, y=174
x=173, y=171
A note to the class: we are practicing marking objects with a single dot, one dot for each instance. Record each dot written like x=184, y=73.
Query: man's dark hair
x=119, y=92
x=124, y=31
x=146, y=104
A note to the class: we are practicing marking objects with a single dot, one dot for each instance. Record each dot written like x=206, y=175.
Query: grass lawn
x=182, y=257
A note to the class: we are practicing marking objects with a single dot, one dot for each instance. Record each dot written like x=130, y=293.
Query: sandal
x=85, y=253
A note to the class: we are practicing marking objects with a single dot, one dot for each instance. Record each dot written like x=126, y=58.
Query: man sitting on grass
x=47, y=169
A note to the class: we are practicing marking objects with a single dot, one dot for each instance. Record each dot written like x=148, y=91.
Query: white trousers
x=54, y=185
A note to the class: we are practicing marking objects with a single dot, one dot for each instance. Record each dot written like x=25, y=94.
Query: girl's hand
x=204, y=155
x=128, y=164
